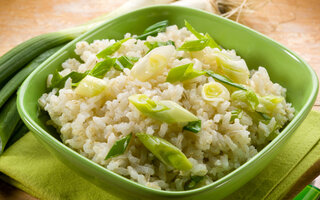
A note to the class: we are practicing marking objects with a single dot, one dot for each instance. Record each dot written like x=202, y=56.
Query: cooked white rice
x=91, y=126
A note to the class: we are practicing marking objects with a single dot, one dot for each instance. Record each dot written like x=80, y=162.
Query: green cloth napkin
x=30, y=167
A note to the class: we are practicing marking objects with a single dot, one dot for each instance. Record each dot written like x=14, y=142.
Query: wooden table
x=294, y=23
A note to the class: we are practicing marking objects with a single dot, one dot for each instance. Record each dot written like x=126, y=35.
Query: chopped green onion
x=119, y=147
x=212, y=43
x=123, y=62
x=56, y=77
x=111, y=49
x=193, y=182
x=264, y=116
x=157, y=25
x=194, y=126
x=133, y=59
x=182, y=73
x=166, y=111
x=58, y=81
x=145, y=105
x=194, y=45
x=248, y=97
x=193, y=30
x=101, y=68
x=236, y=114
x=90, y=86
x=154, y=29
x=166, y=152
x=225, y=80
x=214, y=91
x=152, y=45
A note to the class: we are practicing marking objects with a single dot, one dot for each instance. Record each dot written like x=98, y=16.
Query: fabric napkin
x=30, y=167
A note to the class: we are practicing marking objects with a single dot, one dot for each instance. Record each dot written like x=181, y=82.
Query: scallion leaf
x=225, y=80
x=192, y=183
x=192, y=30
x=56, y=77
x=154, y=29
x=59, y=81
x=123, y=62
x=111, y=49
x=157, y=25
x=101, y=68
x=212, y=43
x=183, y=72
x=152, y=45
x=133, y=59
x=194, y=45
x=119, y=147
x=236, y=114
x=194, y=126
x=264, y=116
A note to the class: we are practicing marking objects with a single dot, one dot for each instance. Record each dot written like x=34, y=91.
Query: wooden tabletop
x=294, y=23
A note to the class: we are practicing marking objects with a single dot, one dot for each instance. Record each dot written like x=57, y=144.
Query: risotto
x=169, y=109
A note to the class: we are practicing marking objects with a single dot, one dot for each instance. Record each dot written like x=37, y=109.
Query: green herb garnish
x=154, y=29
x=101, y=68
x=152, y=45
x=58, y=81
x=212, y=43
x=111, y=49
x=194, y=126
x=183, y=72
x=119, y=147
x=194, y=45
x=193, y=182
x=225, y=80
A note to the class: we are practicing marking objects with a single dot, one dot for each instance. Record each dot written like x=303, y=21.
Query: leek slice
x=249, y=98
x=269, y=103
x=215, y=91
x=153, y=63
x=232, y=66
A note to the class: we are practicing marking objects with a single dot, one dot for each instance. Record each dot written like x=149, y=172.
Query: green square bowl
x=284, y=67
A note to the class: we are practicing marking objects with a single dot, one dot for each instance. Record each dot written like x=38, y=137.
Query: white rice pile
x=92, y=125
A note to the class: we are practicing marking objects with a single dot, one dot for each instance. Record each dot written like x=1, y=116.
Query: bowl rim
x=288, y=130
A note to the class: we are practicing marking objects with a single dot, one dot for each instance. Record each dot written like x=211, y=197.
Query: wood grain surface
x=293, y=23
